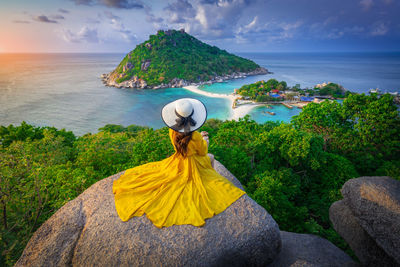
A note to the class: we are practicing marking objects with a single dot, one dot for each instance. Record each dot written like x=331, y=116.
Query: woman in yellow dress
x=181, y=189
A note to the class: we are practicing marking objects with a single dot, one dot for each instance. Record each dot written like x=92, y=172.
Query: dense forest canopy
x=295, y=170
x=176, y=54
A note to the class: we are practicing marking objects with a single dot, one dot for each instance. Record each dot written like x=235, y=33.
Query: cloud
x=366, y=4
x=207, y=19
x=379, y=29
x=64, y=11
x=151, y=18
x=83, y=2
x=118, y=26
x=21, y=21
x=122, y=4
x=92, y=21
x=57, y=17
x=128, y=4
x=43, y=18
x=86, y=35
x=180, y=11
x=110, y=15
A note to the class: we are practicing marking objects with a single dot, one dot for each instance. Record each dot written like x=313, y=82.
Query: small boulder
x=87, y=230
x=375, y=202
x=310, y=250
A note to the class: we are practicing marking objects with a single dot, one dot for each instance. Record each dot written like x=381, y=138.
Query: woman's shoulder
x=196, y=135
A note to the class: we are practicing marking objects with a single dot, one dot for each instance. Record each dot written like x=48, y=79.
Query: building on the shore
x=286, y=92
x=374, y=91
x=323, y=97
x=275, y=95
x=306, y=98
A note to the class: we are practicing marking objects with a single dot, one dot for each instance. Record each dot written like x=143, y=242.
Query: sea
x=65, y=90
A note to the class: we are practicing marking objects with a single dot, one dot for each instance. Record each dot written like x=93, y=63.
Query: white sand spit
x=236, y=113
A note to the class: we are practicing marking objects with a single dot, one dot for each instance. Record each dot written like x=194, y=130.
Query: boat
x=287, y=105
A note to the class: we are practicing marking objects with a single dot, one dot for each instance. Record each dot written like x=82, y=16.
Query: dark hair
x=181, y=141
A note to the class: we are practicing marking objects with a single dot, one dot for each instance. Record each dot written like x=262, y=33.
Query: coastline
x=236, y=112
x=109, y=79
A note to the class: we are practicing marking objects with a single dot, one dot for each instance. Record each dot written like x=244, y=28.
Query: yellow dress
x=177, y=190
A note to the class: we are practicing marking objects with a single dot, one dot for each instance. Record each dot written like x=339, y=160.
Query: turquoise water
x=227, y=87
x=65, y=91
x=282, y=113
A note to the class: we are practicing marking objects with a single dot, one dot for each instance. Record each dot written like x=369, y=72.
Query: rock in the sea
x=375, y=202
x=87, y=231
x=365, y=248
x=310, y=250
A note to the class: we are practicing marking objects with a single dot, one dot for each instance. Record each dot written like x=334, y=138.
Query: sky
x=98, y=26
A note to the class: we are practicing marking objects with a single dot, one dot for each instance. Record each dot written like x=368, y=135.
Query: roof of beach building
x=306, y=98
x=274, y=95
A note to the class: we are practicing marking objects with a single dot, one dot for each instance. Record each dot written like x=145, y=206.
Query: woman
x=184, y=188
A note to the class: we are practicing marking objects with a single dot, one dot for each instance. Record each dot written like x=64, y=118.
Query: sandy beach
x=236, y=113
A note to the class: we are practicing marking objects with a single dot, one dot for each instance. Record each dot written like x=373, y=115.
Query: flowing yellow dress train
x=177, y=190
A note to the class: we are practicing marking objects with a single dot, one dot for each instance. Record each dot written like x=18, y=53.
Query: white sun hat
x=184, y=115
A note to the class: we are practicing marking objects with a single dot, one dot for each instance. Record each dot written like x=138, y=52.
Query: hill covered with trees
x=174, y=59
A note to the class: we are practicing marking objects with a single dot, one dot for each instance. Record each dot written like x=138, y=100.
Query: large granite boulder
x=372, y=204
x=87, y=231
x=365, y=248
x=310, y=250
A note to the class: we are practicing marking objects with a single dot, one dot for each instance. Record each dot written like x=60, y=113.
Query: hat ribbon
x=184, y=122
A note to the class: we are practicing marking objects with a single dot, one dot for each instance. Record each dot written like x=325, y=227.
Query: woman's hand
x=204, y=133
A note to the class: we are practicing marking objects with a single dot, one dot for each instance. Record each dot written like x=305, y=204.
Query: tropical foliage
x=293, y=170
x=258, y=91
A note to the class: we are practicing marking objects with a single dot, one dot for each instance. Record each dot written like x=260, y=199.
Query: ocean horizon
x=64, y=90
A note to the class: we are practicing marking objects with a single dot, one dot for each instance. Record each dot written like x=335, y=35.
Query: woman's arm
x=204, y=134
x=201, y=145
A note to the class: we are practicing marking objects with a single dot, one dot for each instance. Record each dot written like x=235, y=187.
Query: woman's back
x=183, y=188
x=196, y=146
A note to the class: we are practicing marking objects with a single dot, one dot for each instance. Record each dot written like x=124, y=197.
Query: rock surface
x=375, y=202
x=365, y=248
x=309, y=250
x=145, y=65
x=87, y=231
x=368, y=218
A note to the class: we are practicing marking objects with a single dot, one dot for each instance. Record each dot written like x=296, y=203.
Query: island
x=174, y=58
x=275, y=92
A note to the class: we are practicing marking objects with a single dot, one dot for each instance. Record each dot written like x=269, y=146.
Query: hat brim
x=199, y=114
